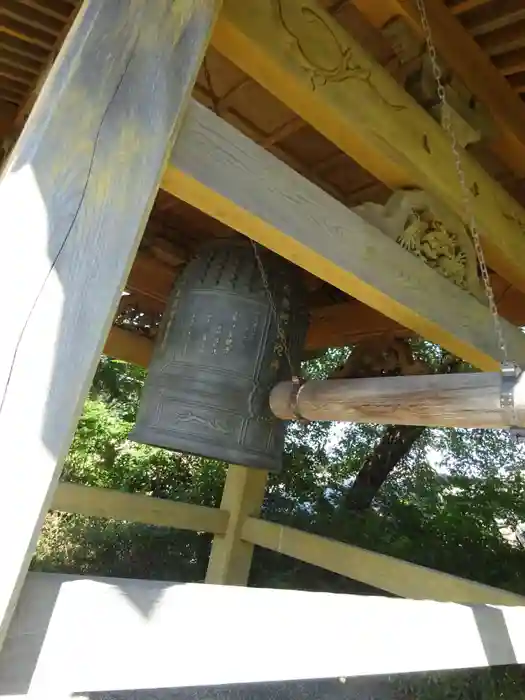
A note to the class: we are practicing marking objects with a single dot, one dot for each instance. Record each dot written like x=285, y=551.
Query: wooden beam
x=461, y=6
x=348, y=323
x=449, y=401
x=150, y=277
x=136, y=508
x=463, y=55
x=75, y=635
x=510, y=63
x=231, y=557
x=336, y=325
x=75, y=196
x=378, y=570
x=488, y=18
x=223, y=173
x=128, y=346
x=305, y=58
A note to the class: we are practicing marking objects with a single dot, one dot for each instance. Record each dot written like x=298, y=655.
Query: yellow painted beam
x=298, y=52
x=463, y=55
x=231, y=557
x=218, y=170
x=378, y=570
x=136, y=508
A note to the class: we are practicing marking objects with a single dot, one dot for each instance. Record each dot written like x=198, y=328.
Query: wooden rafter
x=460, y=51
x=218, y=170
x=459, y=7
x=322, y=73
x=488, y=18
x=77, y=634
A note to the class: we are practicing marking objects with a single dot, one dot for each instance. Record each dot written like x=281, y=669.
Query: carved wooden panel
x=430, y=231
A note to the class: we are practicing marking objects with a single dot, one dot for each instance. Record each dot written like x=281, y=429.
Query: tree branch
x=394, y=445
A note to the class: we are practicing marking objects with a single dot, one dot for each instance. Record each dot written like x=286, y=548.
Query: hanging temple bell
x=218, y=354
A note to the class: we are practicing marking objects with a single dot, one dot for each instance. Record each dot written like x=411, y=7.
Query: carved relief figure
x=327, y=60
x=430, y=231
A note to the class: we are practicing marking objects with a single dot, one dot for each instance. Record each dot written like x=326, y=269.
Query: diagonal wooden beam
x=218, y=170
x=298, y=52
x=402, y=578
x=463, y=55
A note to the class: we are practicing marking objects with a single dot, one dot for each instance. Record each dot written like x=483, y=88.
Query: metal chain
x=280, y=330
x=466, y=193
x=509, y=370
x=295, y=375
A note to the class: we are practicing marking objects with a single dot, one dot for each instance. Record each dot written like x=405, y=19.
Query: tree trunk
x=395, y=444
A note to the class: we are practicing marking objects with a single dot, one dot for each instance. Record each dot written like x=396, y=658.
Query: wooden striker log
x=456, y=400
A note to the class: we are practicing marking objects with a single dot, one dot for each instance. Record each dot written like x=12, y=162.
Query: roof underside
x=32, y=31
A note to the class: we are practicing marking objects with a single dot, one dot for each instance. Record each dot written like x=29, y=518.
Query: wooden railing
x=378, y=570
x=106, y=503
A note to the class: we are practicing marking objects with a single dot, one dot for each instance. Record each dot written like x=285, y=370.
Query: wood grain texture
x=453, y=401
x=463, y=55
x=79, y=635
x=231, y=557
x=136, y=508
x=74, y=200
x=298, y=52
x=218, y=170
x=128, y=346
x=378, y=570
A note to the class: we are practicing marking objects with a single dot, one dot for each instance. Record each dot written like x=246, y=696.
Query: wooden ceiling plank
x=328, y=79
x=17, y=74
x=493, y=16
x=21, y=31
x=517, y=82
x=504, y=39
x=20, y=47
x=512, y=62
x=32, y=17
x=474, y=67
x=56, y=9
x=10, y=97
x=8, y=58
x=463, y=6
x=226, y=100
x=8, y=86
x=216, y=169
x=291, y=127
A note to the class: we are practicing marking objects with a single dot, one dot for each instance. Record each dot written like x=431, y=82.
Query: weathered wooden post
x=74, y=200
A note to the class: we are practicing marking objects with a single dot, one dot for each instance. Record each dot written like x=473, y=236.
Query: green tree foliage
x=442, y=506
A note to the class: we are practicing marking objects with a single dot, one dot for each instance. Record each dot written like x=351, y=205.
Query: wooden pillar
x=74, y=199
x=231, y=557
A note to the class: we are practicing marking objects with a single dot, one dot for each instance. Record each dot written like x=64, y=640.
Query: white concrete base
x=73, y=634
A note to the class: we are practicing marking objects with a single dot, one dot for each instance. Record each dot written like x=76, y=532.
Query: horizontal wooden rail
x=106, y=503
x=216, y=169
x=386, y=573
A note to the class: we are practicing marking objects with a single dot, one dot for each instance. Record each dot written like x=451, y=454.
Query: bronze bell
x=219, y=353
